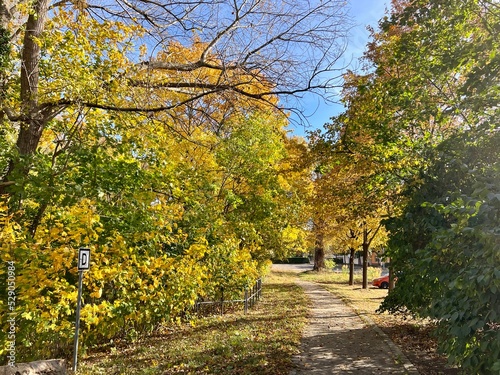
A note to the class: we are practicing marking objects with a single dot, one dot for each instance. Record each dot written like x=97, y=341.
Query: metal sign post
x=83, y=265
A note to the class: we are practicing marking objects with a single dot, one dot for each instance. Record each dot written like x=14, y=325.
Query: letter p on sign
x=83, y=259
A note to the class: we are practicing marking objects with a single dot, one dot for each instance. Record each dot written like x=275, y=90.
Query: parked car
x=382, y=282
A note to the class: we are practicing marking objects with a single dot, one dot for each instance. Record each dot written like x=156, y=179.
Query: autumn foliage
x=173, y=171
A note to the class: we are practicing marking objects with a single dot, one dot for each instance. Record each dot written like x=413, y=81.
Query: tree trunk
x=33, y=119
x=351, y=265
x=391, y=279
x=7, y=10
x=31, y=128
x=319, y=252
x=366, y=245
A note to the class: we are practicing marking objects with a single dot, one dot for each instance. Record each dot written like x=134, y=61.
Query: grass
x=261, y=342
x=264, y=340
x=364, y=301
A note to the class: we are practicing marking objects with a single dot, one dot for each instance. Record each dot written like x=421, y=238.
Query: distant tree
x=350, y=193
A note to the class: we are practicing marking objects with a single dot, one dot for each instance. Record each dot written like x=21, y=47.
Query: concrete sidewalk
x=338, y=341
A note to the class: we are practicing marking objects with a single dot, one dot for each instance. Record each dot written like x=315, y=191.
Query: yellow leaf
x=97, y=293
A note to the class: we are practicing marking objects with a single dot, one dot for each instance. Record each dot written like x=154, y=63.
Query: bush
x=126, y=291
x=444, y=248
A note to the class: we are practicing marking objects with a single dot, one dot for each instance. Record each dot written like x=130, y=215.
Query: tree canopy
x=425, y=113
x=155, y=134
x=416, y=150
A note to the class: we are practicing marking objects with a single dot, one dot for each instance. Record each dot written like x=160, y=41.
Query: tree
x=424, y=115
x=434, y=94
x=239, y=50
x=350, y=191
x=406, y=102
x=124, y=129
x=294, y=176
x=169, y=220
x=443, y=248
x=154, y=134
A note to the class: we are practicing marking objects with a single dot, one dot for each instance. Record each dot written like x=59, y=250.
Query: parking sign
x=83, y=259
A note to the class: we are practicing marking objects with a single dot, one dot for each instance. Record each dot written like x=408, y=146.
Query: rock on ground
x=49, y=367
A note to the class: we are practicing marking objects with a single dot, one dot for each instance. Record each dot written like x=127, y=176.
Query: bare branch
x=249, y=51
x=294, y=45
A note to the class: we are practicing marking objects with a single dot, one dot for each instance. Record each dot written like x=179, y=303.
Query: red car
x=382, y=282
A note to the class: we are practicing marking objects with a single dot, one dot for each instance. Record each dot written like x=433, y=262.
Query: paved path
x=338, y=341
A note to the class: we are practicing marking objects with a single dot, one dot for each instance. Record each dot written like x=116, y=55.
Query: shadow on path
x=338, y=341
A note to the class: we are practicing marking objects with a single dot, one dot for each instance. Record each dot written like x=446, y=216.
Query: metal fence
x=250, y=298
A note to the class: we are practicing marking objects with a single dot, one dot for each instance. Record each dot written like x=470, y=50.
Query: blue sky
x=363, y=13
